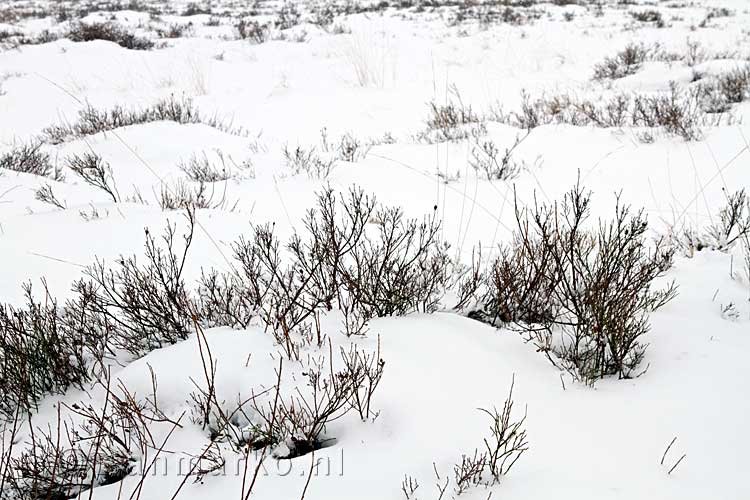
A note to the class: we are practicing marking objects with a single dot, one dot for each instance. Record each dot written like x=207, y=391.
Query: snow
x=604, y=442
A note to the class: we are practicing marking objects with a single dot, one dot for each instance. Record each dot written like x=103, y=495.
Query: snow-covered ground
x=369, y=77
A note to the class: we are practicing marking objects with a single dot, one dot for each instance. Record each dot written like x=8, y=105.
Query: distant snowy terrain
x=164, y=173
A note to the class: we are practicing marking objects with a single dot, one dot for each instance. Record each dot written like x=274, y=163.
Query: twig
x=667, y=450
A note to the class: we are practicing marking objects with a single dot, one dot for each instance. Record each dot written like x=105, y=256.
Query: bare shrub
x=532, y=114
x=520, y=286
x=734, y=222
x=676, y=112
x=508, y=438
x=29, y=159
x=190, y=196
x=302, y=418
x=288, y=16
x=695, y=53
x=733, y=227
x=100, y=447
x=649, y=16
x=728, y=88
x=46, y=195
x=450, y=115
x=502, y=449
x=301, y=160
x=93, y=121
x=323, y=14
x=581, y=295
x=50, y=468
x=409, y=487
x=402, y=267
x=41, y=352
x=195, y=8
x=714, y=13
x=224, y=300
x=111, y=32
x=627, y=62
x=348, y=147
x=468, y=472
x=365, y=371
x=253, y=31
x=486, y=158
x=94, y=171
x=613, y=112
x=452, y=121
x=200, y=169
x=176, y=30
x=144, y=306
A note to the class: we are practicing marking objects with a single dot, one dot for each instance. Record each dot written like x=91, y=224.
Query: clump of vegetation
x=451, y=121
x=504, y=446
x=29, y=159
x=93, y=121
x=627, y=62
x=487, y=159
x=649, y=16
x=732, y=228
x=581, y=295
x=146, y=306
x=189, y=196
x=95, y=172
x=677, y=111
x=288, y=16
x=715, y=13
x=194, y=9
x=175, y=30
x=719, y=93
x=42, y=351
x=254, y=31
x=300, y=160
x=201, y=169
x=397, y=267
x=111, y=32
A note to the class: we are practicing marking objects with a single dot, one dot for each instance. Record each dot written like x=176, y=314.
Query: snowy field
x=360, y=250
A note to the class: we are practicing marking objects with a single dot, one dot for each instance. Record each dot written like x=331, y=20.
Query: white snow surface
x=585, y=443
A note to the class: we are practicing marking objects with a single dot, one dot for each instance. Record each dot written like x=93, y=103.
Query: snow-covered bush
x=143, y=306
x=451, y=121
x=288, y=16
x=396, y=267
x=676, y=111
x=92, y=445
x=732, y=227
x=111, y=32
x=719, y=93
x=627, y=62
x=581, y=295
x=29, y=159
x=95, y=172
x=300, y=422
x=201, y=169
x=486, y=158
x=42, y=351
x=502, y=448
x=93, y=121
x=299, y=160
x=253, y=31
x=182, y=195
x=649, y=16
